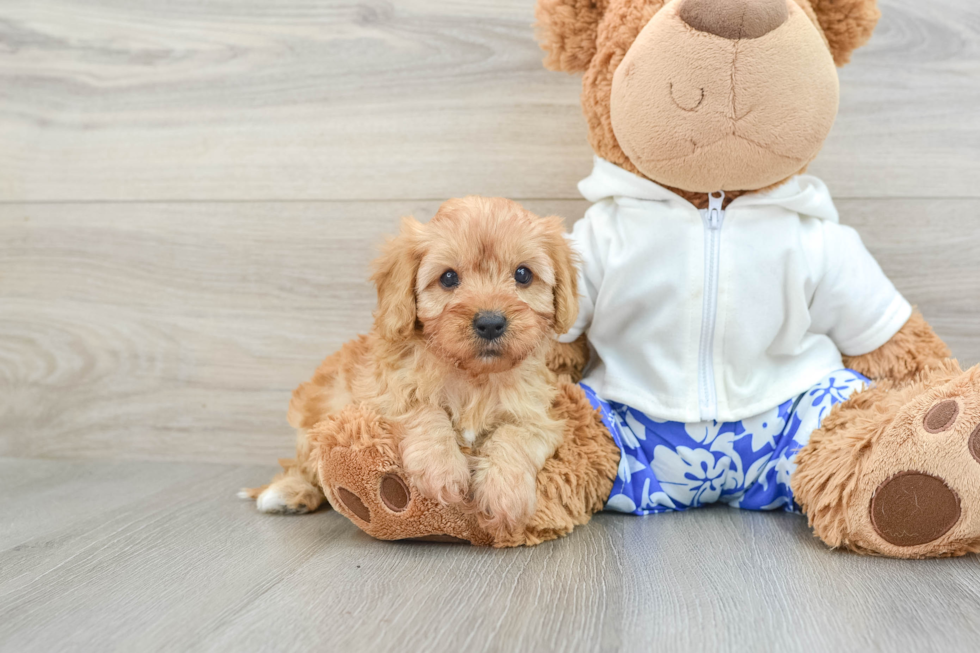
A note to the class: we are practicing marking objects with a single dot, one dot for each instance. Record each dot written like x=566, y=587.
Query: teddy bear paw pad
x=394, y=493
x=911, y=508
x=354, y=504
x=941, y=417
x=921, y=491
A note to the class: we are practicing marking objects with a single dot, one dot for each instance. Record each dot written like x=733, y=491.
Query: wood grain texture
x=162, y=556
x=342, y=100
x=178, y=331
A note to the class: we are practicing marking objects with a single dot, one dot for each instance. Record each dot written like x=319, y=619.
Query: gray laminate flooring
x=162, y=556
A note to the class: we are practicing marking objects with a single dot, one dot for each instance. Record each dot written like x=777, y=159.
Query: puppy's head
x=485, y=283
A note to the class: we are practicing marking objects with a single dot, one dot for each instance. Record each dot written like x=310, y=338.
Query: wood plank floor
x=190, y=194
x=161, y=556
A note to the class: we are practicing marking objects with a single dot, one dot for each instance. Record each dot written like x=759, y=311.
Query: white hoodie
x=698, y=315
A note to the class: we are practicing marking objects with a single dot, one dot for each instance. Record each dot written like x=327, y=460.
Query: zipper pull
x=715, y=212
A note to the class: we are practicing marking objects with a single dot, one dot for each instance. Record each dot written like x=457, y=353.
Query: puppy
x=468, y=307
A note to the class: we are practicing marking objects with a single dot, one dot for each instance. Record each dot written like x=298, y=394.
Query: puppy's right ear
x=566, y=275
x=394, y=277
x=567, y=31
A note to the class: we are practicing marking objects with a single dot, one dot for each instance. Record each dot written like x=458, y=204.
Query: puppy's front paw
x=441, y=474
x=505, y=497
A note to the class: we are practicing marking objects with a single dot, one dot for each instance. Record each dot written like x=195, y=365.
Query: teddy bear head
x=707, y=95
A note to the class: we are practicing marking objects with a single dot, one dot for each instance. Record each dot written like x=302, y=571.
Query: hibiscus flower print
x=692, y=477
x=764, y=429
x=748, y=464
x=835, y=389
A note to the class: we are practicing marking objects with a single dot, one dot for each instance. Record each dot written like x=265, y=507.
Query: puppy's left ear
x=566, y=275
x=394, y=277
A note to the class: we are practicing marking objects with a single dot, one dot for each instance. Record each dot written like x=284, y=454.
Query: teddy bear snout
x=734, y=19
x=702, y=112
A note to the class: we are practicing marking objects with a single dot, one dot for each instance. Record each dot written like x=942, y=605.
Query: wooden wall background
x=190, y=191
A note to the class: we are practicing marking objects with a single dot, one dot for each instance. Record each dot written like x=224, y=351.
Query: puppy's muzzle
x=489, y=325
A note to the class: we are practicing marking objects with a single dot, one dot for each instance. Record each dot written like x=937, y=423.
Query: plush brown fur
x=472, y=414
x=568, y=360
x=846, y=24
x=568, y=32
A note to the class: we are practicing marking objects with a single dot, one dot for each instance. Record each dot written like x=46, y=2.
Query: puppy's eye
x=449, y=279
x=523, y=276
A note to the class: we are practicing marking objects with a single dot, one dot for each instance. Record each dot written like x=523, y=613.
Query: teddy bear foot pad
x=365, y=486
x=921, y=505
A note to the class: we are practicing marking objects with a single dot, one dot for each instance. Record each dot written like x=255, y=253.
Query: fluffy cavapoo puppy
x=468, y=308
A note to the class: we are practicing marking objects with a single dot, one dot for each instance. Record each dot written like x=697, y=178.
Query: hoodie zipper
x=713, y=218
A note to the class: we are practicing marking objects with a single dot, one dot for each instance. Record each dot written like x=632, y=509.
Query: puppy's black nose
x=490, y=325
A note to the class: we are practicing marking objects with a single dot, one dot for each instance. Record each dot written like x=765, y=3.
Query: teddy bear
x=735, y=343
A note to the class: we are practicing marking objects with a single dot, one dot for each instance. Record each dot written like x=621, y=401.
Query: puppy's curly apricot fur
x=472, y=413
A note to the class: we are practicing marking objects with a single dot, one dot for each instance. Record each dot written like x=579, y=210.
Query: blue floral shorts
x=747, y=464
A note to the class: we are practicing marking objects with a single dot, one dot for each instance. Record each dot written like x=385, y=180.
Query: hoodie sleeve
x=855, y=303
x=585, y=242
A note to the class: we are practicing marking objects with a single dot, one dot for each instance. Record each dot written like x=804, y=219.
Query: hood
x=803, y=194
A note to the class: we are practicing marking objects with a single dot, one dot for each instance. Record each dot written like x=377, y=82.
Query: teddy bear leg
x=361, y=475
x=895, y=470
x=576, y=481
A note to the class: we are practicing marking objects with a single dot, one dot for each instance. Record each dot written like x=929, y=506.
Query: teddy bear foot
x=896, y=470
x=369, y=488
x=360, y=475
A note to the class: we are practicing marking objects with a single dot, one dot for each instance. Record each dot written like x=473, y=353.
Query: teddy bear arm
x=569, y=359
x=576, y=481
x=913, y=350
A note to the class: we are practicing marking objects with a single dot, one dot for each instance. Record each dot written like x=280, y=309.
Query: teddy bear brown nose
x=734, y=19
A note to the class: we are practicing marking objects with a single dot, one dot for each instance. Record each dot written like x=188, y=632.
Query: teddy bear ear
x=566, y=30
x=847, y=24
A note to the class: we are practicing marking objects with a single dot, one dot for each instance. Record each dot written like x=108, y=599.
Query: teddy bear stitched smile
x=724, y=95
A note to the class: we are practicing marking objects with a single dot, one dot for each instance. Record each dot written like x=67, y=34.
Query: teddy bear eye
x=449, y=279
x=523, y=276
